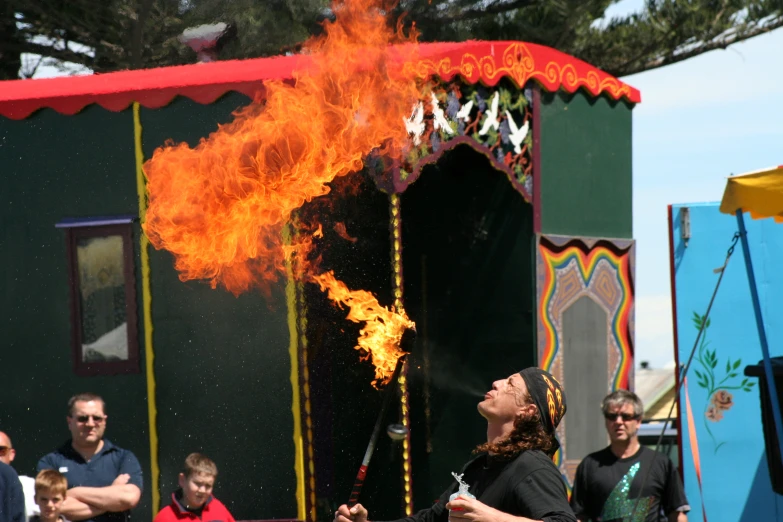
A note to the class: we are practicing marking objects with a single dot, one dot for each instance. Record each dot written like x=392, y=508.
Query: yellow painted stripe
x=149, y=352
x=407, y=463
x=307, y=427
x=296, y=407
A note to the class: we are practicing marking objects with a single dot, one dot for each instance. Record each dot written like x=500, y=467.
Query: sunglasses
x=4, y=450
x=86, y=418
x=625, y=416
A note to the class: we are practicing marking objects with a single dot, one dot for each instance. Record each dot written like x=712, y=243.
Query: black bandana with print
x=548, y=396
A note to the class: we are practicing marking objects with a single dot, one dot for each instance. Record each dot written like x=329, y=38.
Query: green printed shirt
x=607, y=488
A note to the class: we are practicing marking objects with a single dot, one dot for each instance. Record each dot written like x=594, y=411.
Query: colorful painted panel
x=497, y=122
x=723, y=459
x=595, y=278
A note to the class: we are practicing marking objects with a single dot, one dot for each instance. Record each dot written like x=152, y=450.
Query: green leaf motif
x=697, y=320
x=736, y=364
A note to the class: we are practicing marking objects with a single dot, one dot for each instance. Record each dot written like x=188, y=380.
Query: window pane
x=101, y=267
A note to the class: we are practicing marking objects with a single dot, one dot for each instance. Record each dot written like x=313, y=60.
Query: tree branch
x=65, y=55
x=472, y=14
x=721, y=43
x=137, y=40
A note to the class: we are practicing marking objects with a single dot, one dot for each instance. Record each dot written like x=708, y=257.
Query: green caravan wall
x=221, y=363
x=54, y=166
x=585, y=166
x=469, y=285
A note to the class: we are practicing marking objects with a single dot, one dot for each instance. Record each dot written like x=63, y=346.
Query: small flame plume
x=380, y=338
x=220, y=208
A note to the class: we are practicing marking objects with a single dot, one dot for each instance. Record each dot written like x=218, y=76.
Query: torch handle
x=359, y=482
x=357, y=486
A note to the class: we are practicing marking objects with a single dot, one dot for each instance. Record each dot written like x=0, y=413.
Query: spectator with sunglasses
x=7, y=455
x=627, y=482
x=104, y=480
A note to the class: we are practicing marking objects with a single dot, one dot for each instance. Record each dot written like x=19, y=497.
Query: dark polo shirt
x=11, y=495
x=99, y=472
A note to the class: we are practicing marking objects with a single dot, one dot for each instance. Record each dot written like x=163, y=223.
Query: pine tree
x=107, y=35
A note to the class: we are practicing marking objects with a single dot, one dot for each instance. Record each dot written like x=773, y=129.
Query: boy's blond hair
x=198, y=463
x=51, y=481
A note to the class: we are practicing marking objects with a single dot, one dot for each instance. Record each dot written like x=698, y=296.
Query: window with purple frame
x=102, y=281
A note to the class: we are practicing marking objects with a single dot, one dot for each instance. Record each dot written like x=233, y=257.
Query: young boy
x=50, y=490
x=193, y=500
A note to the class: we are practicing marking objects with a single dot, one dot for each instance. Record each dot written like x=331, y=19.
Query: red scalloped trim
x=488, y=62
x=203, y=83
x=115, y=102
x=152, y=88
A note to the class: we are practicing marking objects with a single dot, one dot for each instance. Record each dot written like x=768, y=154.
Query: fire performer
x=513, y=478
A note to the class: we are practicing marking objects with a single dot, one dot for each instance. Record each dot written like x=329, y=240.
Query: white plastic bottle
x=462, y=492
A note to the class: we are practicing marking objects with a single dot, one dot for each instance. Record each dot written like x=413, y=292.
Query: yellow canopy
x=760, y=193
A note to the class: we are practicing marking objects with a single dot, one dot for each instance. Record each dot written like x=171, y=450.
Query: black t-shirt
x=528, y=485
x=606, y=488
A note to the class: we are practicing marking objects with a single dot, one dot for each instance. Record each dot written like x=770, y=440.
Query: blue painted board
x=725, y=405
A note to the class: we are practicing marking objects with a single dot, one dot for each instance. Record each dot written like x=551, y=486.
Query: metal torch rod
x=357, y=485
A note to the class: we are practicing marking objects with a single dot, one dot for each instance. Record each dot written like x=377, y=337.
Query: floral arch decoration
x=495, y=121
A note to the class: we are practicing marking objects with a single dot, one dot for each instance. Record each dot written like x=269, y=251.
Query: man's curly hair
x=528, y=434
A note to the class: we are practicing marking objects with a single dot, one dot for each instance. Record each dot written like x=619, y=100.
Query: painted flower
x=452, y=105
x=435, y=141
x=505, y=131
x=722, y=400
x=714, y=413
x=481, y=99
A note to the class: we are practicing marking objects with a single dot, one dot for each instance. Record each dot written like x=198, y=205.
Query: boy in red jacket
x=193, y=500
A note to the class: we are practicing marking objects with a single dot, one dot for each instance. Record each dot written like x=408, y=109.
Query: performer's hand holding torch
x=355, y=514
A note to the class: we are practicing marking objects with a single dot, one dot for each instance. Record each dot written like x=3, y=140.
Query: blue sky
x=700, y=121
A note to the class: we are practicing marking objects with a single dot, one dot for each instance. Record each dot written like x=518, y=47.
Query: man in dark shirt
x=11, y=495
x=608, y=482
x=7, y=455
x=514, y=478
x=104, y=480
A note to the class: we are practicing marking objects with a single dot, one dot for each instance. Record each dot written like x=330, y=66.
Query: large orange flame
x=380, y=338
x=221, y=207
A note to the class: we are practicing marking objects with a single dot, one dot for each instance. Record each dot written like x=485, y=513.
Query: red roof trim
x=203, y=83
x=488, y=62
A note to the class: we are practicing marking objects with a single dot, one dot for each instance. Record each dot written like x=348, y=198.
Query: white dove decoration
x=517, y=135
x=464, y=112
x=415, y=124
x=440, y=117
x=492, y=120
